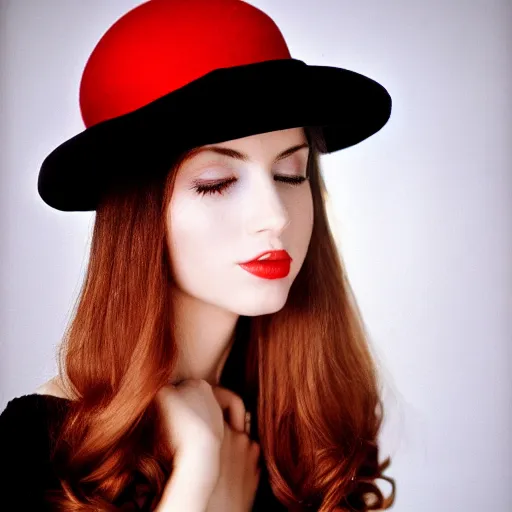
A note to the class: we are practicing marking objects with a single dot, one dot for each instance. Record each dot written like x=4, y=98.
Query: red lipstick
x=273, y=265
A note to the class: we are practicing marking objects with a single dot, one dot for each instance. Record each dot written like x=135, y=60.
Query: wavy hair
x=309, y=367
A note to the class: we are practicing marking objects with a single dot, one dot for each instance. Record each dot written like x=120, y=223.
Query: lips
x=272, y=265
x=279, y=255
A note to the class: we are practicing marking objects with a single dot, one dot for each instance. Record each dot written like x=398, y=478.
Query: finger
x=233, y=404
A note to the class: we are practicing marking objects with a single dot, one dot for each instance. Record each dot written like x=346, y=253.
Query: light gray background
x=423, y=214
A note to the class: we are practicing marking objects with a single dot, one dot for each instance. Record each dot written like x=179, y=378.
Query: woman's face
x=211, y=233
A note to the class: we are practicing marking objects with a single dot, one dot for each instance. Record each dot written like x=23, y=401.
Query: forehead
x=276, y=145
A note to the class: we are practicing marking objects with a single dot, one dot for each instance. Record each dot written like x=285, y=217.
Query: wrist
x=190, y=485
x=201, y=462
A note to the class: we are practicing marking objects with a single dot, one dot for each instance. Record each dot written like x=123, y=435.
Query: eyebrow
x=233, y=153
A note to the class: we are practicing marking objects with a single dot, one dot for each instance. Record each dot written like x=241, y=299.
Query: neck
x=205, y=335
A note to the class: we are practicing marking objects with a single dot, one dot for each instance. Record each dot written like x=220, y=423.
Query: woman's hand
x=193, y=426
x=239, y=456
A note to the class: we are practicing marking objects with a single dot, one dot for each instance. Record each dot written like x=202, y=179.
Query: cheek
x=196, y=237
x=187, y=232
x=301, y=213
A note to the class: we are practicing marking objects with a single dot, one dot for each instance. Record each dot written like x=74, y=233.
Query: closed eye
x=219, y=188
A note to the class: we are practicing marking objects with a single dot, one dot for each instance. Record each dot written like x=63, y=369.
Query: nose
x=268, y=211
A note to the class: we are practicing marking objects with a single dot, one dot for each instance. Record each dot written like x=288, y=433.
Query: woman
x=200, y=156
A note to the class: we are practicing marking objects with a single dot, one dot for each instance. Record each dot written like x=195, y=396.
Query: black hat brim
x=225, y=104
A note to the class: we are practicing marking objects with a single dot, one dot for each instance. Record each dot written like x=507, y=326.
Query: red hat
x=171, y=75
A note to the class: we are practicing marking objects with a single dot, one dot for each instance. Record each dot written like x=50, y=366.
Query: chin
x=262, y=307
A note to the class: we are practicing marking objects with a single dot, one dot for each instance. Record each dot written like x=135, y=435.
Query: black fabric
x=25, y=450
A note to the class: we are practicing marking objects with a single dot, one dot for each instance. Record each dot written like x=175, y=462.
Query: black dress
x=25, y=446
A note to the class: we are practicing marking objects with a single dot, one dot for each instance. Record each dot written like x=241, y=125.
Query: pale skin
x=210, y=234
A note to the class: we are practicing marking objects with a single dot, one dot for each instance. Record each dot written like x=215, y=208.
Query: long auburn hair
x=309, y=365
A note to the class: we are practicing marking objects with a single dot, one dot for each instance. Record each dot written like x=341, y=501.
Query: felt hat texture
x=172, y=75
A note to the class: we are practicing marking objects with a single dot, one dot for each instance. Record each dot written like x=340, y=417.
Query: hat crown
x=162, y=45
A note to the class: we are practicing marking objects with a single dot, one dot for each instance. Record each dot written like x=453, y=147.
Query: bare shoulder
x=52, y=387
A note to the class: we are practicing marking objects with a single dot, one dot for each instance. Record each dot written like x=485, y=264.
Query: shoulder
x=52, y=387
x=23, y=414
x=30, y=415
x=26, y=425
x=24, y=431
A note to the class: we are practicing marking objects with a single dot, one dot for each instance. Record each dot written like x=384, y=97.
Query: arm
x=189, y=487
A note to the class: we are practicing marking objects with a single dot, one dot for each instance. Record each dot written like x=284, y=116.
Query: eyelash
x=218, y=188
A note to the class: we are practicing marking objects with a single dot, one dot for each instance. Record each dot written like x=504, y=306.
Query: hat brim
x=225, y=104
